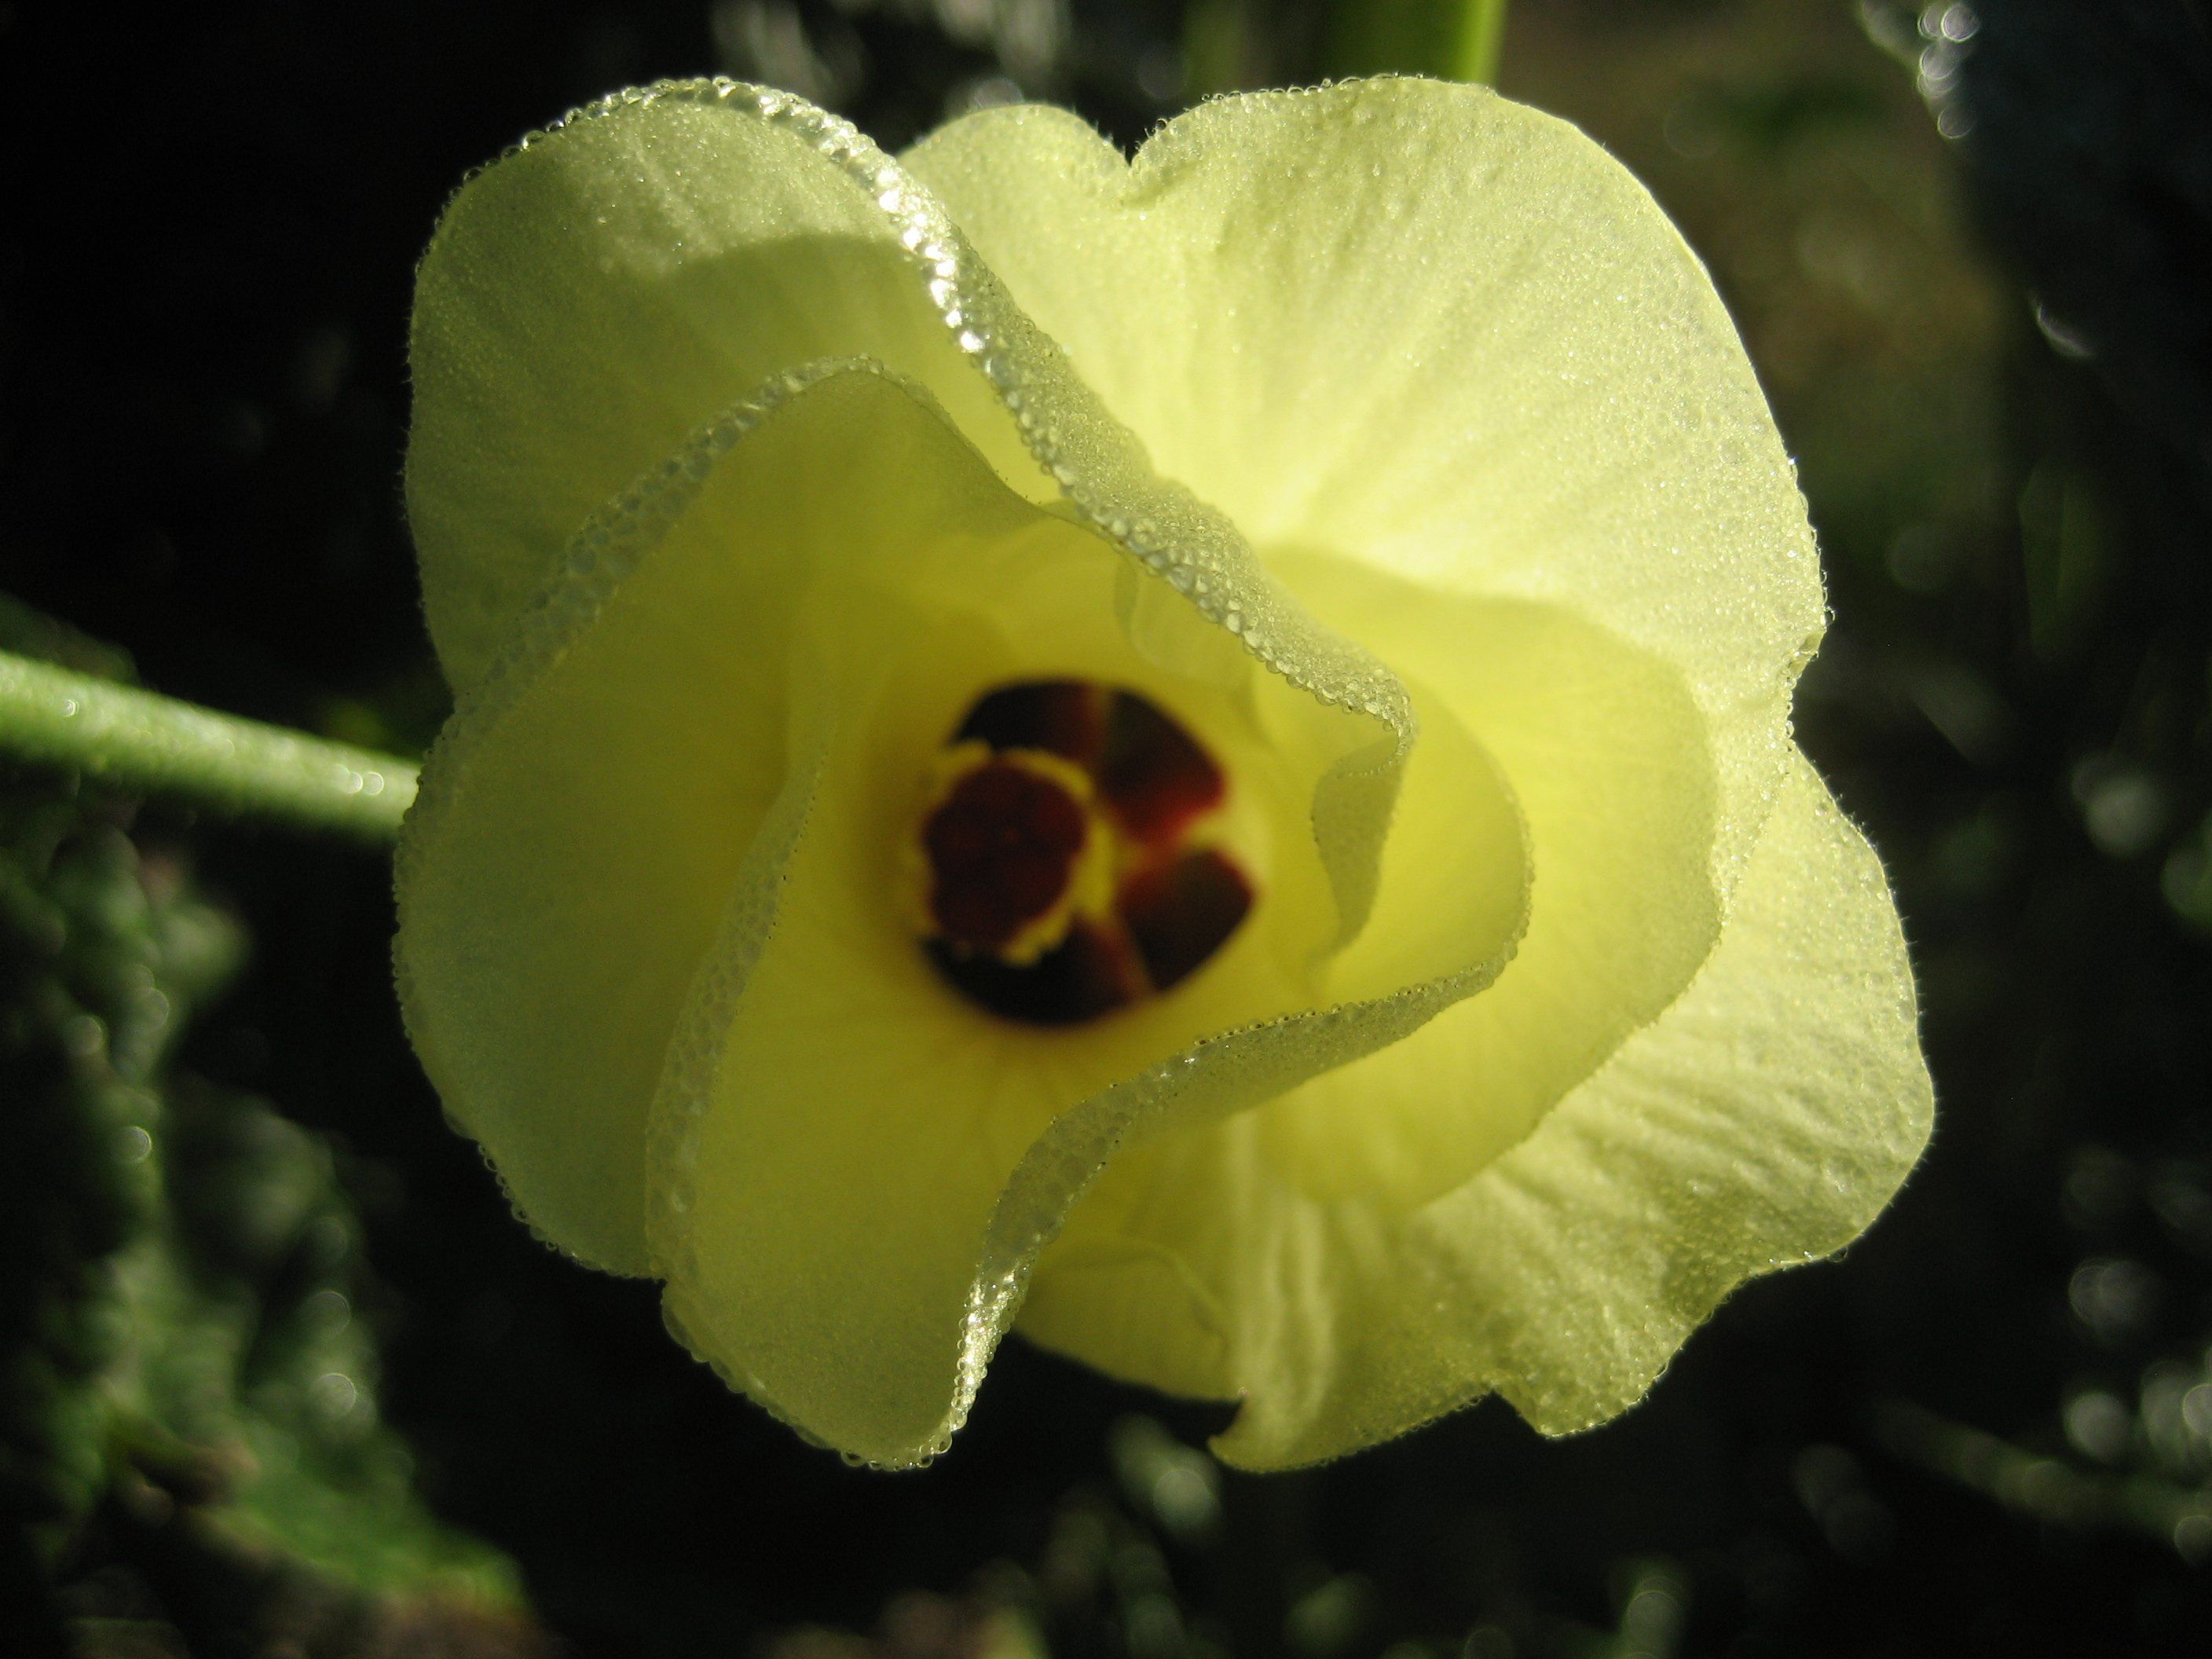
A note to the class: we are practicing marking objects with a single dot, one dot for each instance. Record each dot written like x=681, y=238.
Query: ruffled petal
x=853, y=1167
x=599, y=292
x=656, y=952
x=1764, y=1120
x=610, y=285
x=629, y=763
x=1607, y=755
x=1421, y=326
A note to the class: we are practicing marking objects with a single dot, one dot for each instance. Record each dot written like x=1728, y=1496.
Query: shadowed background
x=282, y=1375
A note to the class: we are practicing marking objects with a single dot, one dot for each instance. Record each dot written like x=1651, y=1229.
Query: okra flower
x=1193, y=754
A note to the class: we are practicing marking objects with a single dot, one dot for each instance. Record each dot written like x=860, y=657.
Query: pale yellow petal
x=1421, y=326
x=587, y=813
x=1606, y=753
x=591, y=299
x=859, y=1165
x=1764, y=1119
x=595, y=295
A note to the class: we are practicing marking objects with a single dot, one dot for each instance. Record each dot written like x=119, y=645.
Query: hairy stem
x=144, y=743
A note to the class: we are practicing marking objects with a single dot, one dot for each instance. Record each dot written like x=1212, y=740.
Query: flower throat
x=1069, y=868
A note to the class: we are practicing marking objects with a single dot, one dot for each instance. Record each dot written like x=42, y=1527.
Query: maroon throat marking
x=1068, y=869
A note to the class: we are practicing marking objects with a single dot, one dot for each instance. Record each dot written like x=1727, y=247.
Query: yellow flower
x=1194, y=753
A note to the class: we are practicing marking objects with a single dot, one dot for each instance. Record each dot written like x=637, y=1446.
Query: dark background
x=1971, y=251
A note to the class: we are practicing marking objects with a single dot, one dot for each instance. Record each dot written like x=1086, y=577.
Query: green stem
x=146, y=744
x=1481, y=34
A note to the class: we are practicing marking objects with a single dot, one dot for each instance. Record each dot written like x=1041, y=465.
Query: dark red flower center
x=1069, y=874
x=1002, y=848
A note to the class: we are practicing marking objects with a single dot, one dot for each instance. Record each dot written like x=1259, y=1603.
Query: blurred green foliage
x=188, y=1423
